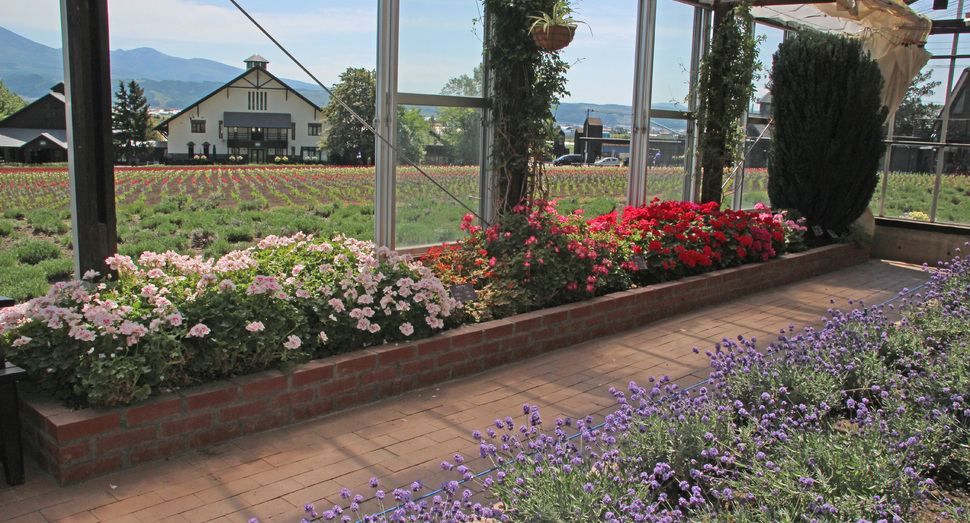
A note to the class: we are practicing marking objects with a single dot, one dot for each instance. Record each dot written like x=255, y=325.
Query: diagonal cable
x=354, y=114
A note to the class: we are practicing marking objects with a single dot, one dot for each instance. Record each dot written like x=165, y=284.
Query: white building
x=255, y=116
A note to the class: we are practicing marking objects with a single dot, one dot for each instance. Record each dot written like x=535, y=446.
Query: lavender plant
x=865, y=420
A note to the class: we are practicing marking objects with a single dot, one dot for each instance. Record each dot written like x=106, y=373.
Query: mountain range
x=30, y=69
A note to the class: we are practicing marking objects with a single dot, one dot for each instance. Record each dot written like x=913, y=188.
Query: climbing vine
x=527, y=83
x=725, y=88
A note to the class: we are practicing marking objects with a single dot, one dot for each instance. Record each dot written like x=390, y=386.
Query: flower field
x=212, y=210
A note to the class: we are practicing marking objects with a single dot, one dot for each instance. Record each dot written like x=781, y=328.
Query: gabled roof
x=256, y=58
x=17, y=137
x=12, y=120
x=226, y=85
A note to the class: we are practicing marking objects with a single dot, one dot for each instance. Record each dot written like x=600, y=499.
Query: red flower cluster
x=677, y=239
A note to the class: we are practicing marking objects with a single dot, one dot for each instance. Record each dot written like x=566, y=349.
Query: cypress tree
x=828, y=129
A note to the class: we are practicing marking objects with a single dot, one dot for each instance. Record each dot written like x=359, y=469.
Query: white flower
x=407, y=329
x=199, y=331
x=23, y=340
x=292, y=342
x=255, y=326
x=323, y=337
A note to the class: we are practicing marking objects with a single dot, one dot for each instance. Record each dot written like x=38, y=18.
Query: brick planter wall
x=77, y=445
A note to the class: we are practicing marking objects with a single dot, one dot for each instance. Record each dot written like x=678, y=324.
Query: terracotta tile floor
x=273, y=474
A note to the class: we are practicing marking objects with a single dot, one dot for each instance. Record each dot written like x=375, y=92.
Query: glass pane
x=445, y=142
x=909, y=183
x=439, y=40
x=953, y=204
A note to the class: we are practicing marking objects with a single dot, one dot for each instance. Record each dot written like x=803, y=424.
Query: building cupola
x=256, y=61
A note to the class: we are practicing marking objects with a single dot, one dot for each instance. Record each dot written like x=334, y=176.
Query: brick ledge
x=78, y=445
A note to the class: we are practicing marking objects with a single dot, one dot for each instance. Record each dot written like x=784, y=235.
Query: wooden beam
x=949, y=27
x=87, y=81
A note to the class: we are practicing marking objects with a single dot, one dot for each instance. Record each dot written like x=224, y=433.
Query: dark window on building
x=313, y=129
x=191, y=149
x=198, y=126
x=220, y=128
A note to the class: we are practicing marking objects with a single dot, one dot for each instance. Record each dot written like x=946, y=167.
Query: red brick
x=246, y=410
x=551, y=345
x=526, y=322
x=269, y=421
x=580, y=310
x=143, y=413
x=377, y=376
x=498, y=359
x=417, y=366
x=603, y=304
x=395, y=387
x=87, y=470
x=450, y=357
x=354, y=362
x=312, y=372
x=157, y=451
x=465, y=336
x=212, y=398
x=527, y=351
x=358, y=397
x=544, y=334
x=312, y=410
x=592, y=322
x=394, y=354
x=64, y=428
x=291, y=398
x=264, y=386
x=555, y=317
x=183, y=425
x=434, y=346
x=497, y=329
x=467, y=367
x=434, y=377
x=515, y=342
x=336, y=387
x=129, y=438
x=485, y=349
x=66, y=453
x=213, y=436
x=625, y=300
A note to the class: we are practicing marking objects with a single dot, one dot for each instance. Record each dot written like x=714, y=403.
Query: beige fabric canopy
x=890, y=30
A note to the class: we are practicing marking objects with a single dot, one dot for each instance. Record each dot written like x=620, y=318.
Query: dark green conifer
x=828, y=129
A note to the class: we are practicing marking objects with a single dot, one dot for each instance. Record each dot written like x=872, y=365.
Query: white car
x=609, y=162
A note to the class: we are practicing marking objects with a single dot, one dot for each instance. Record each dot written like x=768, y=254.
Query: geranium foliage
x=172, y=320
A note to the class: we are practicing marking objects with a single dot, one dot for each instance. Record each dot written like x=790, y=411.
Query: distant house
x=37, y=133
x=254, y=116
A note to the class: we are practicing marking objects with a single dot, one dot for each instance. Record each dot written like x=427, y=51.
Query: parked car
x=608, y=162
x=569, y=159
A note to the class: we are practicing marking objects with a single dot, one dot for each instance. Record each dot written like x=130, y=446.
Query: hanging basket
x=553, y=37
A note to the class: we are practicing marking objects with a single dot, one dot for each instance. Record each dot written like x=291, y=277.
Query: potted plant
x=553, y=31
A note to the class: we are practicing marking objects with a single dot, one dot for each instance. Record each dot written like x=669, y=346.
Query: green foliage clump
x=36, y=251
x=827, y=138
x=7, y=227
x=47, y=221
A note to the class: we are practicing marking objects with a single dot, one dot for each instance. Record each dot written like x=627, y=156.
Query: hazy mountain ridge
x=29, y=69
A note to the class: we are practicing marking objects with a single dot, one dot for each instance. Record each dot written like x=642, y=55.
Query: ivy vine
x=725, y=88
x=527, y=83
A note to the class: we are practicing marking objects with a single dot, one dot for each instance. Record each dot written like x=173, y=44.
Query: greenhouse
x=574, y=260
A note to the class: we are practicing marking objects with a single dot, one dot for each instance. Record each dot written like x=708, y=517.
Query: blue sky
x=439, y=39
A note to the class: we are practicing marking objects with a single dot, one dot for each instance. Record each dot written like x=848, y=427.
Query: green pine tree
x=131, y=122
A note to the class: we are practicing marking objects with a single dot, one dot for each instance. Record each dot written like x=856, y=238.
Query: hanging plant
x=553, y=31
x=527, y=82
